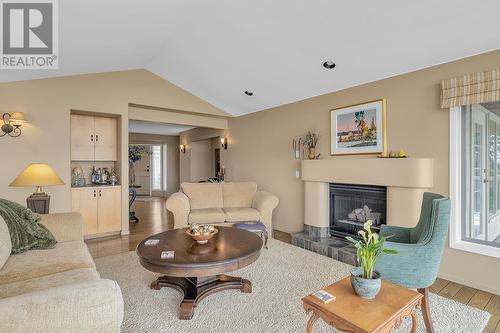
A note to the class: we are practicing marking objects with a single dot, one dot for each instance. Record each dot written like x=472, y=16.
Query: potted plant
x=134, y=154
x=310, y=141
x=364, y=279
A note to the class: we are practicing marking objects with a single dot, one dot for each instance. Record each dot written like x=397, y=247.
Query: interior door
x=82, y=138
x=142, y=169
x=105, y=130
x=109, y=209
x=84, y=201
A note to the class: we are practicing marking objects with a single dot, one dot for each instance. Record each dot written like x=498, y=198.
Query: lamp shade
x=37, y=174
x=17, y=117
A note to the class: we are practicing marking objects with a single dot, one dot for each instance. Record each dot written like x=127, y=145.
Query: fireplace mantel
x=390, y=172
x=406, y=179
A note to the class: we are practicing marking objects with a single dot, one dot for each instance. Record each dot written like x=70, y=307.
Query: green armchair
x=419, y=250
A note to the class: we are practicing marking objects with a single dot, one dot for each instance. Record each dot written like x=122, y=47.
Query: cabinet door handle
x=94, y=193
x=100, y=193
x=92, y=137
x=96, y=137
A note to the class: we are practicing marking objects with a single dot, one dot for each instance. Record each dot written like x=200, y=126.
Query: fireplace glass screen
x=352, y=205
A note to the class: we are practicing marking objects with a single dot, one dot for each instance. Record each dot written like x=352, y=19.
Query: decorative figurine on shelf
x=310, y=141
x=393, y=154
x=113, y=177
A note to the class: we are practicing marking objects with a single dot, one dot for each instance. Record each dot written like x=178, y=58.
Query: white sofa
x=222, y=203
x=59, y=289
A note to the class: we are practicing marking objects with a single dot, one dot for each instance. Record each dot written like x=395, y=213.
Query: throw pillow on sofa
x=25, y=231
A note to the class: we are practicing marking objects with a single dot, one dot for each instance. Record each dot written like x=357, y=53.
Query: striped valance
x=471, y=89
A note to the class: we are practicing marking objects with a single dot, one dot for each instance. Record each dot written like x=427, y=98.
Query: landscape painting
x=358, y=129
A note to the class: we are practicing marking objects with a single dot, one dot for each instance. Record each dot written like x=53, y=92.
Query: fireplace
x=352, y=205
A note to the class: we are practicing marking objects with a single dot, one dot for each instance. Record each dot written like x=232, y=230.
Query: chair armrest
x=265, y=203
x=93, y=306
x=64, y=226
x=398, y=234
x=414, y=266
x=178, y=204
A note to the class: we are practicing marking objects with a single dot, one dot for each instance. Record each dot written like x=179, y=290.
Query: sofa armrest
x=64, y=226
x=93, y=306
x=178, y=204
x=265, y=203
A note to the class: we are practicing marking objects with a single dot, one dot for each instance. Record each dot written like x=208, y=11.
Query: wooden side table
x=351, y=313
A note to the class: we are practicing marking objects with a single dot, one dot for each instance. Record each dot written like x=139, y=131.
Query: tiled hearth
x=318, y=240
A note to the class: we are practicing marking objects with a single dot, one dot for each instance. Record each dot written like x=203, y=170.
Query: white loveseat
x=59, y=289
x=222, y=203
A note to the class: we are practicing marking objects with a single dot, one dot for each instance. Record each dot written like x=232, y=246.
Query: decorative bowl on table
x=202, y=233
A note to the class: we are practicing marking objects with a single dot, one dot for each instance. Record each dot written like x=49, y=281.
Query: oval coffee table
x=197, y=270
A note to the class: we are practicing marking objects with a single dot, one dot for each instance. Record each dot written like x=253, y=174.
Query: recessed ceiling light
x=248, y=93
x=329, y=64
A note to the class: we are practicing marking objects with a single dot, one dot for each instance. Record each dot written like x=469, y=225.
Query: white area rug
x=280, y=277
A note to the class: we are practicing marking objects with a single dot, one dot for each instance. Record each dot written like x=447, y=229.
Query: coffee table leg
x=311, y=321
x=414, y=322
x=195, y=289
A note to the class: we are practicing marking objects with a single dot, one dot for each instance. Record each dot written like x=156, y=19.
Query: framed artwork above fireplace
x=359, y=129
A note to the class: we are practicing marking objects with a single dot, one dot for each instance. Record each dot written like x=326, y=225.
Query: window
x=475, y=178
x=158, y=164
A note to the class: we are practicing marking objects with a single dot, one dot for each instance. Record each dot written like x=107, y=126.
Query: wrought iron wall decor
x=12, y=123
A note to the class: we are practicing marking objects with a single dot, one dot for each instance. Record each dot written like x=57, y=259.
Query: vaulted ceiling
x=275, y=49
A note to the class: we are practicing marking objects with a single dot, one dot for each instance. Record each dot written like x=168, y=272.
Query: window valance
x=471, y=89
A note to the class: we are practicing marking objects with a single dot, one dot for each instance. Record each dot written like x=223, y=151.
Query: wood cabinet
x=109, y=210
x=105, y=141
x=100, y=208
x=82, y=138
x=84, y=201
x=93, y=138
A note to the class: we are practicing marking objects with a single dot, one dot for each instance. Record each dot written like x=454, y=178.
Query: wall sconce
x=223, y=142
x=12, y=123
x=183, y=148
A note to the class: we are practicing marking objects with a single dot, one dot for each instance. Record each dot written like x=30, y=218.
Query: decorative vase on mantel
x=312, y=153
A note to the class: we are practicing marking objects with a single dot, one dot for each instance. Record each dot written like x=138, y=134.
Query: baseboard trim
x=471, y=284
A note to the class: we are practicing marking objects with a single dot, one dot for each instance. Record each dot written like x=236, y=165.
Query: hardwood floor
x=473, y=297
x=154, y=218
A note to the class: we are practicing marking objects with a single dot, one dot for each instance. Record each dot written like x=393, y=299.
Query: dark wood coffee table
x=198, y=270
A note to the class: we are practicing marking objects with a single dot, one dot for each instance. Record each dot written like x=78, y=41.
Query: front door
x=142, y=169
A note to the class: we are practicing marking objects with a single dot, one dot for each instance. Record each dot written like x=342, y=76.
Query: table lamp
x=38, y=175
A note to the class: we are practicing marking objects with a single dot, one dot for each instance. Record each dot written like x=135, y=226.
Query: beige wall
x=201, y=160
x=172, y=143
x=47, y=103
x=193, y=135
x=260, y=147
